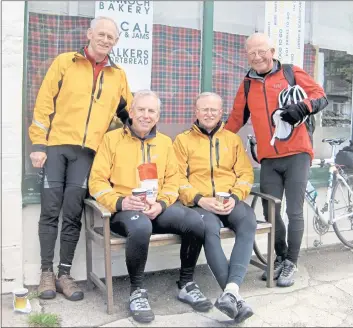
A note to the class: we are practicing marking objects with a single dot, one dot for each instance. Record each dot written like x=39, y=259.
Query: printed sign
x=284, y=24
x=133, y=51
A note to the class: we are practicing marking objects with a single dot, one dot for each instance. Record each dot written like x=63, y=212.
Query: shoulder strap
x=246, y=88
x=289, y=74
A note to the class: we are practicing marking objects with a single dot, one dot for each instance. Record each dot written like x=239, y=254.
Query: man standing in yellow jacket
x=126, y=158
x=80, y=94
x=212, y=160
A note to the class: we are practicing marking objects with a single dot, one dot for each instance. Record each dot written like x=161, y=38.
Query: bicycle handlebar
x=321, y=162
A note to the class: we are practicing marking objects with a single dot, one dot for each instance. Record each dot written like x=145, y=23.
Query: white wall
x=11, y=125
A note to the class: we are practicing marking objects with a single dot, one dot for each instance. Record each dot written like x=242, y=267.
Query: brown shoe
x=67, y=286
x=46, y=288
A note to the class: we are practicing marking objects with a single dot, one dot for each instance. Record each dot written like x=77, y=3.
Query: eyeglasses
x=261, y=53
x=213, y=111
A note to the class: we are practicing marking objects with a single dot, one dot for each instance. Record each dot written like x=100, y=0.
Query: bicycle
x=339, y=190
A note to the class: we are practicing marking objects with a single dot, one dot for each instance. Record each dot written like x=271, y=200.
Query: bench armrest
x=98, y=208
x=266, y=197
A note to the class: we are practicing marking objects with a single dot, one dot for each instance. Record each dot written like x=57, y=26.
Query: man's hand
x=38, y=158
x=228, y=207
x=133, y=203
x=294, y=113
x=211, y=204
x=153, y=211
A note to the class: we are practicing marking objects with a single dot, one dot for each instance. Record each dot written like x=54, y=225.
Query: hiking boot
x=67, y=286
x=286, y=278
x=227, y=303
x=244, y=311
x=277, y=269
x=192, y=295
x=139, y=307
x=46, y=288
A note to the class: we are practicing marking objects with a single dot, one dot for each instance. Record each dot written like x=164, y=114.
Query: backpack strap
x=246, y=88
x=289, y=74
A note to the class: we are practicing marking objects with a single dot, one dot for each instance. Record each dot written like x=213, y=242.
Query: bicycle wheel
x=262, y=257
x=342, y=204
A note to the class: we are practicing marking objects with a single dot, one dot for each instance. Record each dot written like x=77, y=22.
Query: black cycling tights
x=289, y=174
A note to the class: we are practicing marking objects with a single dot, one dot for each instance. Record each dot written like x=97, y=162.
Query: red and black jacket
x=262, y=101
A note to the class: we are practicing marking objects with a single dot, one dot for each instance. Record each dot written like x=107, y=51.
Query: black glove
x=294, y=113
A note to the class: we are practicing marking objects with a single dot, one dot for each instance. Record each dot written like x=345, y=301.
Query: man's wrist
x=163, y=205
x=197, y=199
x=119, y=204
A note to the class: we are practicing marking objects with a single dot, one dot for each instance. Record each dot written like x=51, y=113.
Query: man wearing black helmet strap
x=284, y=144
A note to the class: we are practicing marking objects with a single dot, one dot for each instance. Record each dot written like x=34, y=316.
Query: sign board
x=133, y=51
x=284, y=24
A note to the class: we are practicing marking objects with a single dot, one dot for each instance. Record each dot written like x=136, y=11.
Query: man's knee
x=73, y=201
x=243, y=216
x=194, y=222
x=141, y=230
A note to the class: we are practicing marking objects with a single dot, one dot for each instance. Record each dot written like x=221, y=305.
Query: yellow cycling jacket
x=114, y=172
x=69, y=110
x=212, y=163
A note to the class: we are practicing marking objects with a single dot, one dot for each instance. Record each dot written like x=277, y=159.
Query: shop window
x=338, y=76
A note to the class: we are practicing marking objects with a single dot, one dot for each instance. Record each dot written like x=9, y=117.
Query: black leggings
x=137, y=227
x=64, y=186
x=289, y=174
x=242, y=221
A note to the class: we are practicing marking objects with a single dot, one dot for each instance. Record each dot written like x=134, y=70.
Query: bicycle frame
x=325, y=213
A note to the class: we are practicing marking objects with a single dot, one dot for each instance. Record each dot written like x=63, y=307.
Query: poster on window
x=133, y=51
x=285, y=23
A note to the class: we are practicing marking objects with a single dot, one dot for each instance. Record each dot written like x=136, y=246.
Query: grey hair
x=99, y=18
x=208, y=94
x=144, y=93
x=264, y=36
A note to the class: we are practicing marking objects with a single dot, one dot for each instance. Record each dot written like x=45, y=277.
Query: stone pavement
x=322, y=296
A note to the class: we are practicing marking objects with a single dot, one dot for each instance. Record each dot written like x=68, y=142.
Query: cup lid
x=223, y=194
x=139, y=190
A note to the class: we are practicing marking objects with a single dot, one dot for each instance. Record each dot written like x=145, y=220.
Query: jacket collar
x=128, y=130
x=276, y=67
x=80, y=54
x=198, y=128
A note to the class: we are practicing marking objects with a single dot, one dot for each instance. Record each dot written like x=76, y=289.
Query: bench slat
x=170, y=239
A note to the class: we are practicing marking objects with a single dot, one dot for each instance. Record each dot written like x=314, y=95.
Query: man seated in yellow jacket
x=215, y=169
x=80, y=94
x=124, y=161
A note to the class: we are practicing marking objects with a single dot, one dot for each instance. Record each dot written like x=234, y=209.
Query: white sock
x=233, y=288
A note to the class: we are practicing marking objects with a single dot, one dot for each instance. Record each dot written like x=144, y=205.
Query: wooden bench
x=112, y=242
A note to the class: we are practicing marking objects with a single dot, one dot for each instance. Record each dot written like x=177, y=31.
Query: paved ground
x=322, y=296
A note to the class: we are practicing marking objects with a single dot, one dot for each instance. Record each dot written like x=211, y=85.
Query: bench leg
x=89, y=257
x=89, y=263
x=270, y=246
x=108, y=266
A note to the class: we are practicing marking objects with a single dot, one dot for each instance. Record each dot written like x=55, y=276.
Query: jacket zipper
x=89, y=111
x=211, y=163
x=101, y=81
x=217, y=152
x=143, y=151
x=268, y=115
